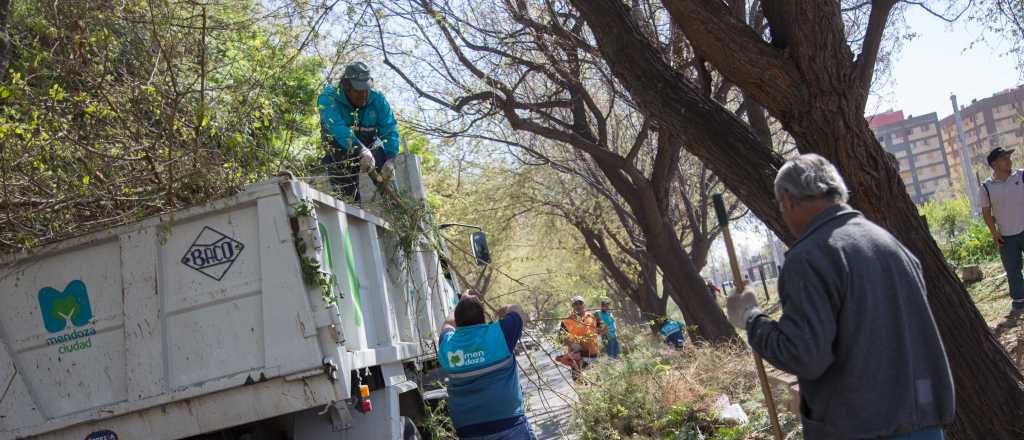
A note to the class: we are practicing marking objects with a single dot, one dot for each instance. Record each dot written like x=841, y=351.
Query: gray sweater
x=857, y=332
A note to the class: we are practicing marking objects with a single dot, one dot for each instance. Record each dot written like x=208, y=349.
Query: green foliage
x=418, y=144
x=1003, y=22
x=655, y=393
x=974, y=245
x=545, y=261
x=304, y=208
x=437, y=425
x=620, y=403
x=411, y=220
x=962, y=238
x=116, y=111
x=313, y=273
x=947, y=218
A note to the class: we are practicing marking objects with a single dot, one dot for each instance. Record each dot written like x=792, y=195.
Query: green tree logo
x=455, y=358
x=61, y=308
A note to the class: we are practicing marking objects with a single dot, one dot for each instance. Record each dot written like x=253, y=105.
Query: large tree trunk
x=699, y=248
x=581, y=121
x=641, y=290
x=5, y=40
x=720, y=139
x=818, y=93
x=824, y=116
x=648, y=201
x=655, y=305
x=681, y=271
x=687, y=287
x=626, y=310
x=988, y=384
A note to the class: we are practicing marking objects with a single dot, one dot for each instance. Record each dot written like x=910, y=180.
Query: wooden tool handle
x=737, y=276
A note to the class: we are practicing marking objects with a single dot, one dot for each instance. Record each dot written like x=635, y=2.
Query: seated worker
x=579, y=332
x=353, y=117
x=673, y=333
x=485, y=400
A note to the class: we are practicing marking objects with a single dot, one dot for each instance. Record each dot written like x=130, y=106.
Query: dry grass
x=727, y=368
x=675, y=387
x=655, y=392
x=991, y=295
x=992, y=298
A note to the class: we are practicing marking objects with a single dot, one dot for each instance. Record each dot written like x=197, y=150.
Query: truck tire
x=409, y=430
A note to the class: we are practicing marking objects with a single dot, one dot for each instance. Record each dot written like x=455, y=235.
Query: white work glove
x=366, y=162
x=387, y=172
x=741, y=307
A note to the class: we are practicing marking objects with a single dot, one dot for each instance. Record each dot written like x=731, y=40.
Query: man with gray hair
x=855, y=328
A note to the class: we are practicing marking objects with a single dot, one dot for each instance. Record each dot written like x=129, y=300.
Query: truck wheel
x=409, y=431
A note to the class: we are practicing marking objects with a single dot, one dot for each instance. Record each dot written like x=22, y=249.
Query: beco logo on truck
x=212, y=253
x=67, y=309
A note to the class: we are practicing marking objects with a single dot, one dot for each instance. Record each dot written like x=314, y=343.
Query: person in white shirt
x=1002, y=204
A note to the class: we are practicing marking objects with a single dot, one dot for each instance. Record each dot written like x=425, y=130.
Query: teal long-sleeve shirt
x=609, y=321
x=336, y=117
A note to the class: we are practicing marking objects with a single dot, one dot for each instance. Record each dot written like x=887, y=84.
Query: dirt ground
x=992, y=298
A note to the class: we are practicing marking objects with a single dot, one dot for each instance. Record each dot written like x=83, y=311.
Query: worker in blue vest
x=610, y=336
x=485, y=400
x=358, y=129
x=673, y=333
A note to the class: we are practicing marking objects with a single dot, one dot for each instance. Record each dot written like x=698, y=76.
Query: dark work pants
x=1011, y=252
x=343, y=169
x=933, y=433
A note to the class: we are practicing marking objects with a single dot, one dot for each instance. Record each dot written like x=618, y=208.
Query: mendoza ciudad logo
x=67, y=312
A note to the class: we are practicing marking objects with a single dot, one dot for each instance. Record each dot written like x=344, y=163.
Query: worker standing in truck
x=358, y=130
x=485, y=400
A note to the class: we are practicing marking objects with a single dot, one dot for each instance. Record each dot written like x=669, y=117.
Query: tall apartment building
x=917, y=144
x=996, y=121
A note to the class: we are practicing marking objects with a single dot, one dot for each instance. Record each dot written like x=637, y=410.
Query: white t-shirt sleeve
x=984, y=196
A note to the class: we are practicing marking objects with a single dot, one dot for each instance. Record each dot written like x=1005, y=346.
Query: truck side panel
x=218, y=316
x=143, y=334
x=200, y=301
x=65, y=322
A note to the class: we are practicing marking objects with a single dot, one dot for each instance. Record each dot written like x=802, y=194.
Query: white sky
x=940, y=61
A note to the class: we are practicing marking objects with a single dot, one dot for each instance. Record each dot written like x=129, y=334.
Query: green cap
x=358, y=75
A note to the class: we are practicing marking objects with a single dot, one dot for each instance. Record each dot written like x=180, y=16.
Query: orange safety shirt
x=582, y=330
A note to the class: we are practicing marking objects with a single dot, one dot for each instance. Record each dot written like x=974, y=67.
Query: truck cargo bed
x=212, y=316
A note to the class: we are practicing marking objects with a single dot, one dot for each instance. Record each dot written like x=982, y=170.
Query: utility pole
x=966, y=159
x=764, y=283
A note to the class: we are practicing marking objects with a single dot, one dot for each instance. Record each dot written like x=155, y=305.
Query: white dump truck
x=269, y=314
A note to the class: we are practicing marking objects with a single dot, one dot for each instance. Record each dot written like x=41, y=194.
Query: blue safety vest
x=483, y=383
x=670, y=327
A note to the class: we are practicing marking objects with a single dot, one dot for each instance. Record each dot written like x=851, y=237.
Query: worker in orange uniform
x=579, y=332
